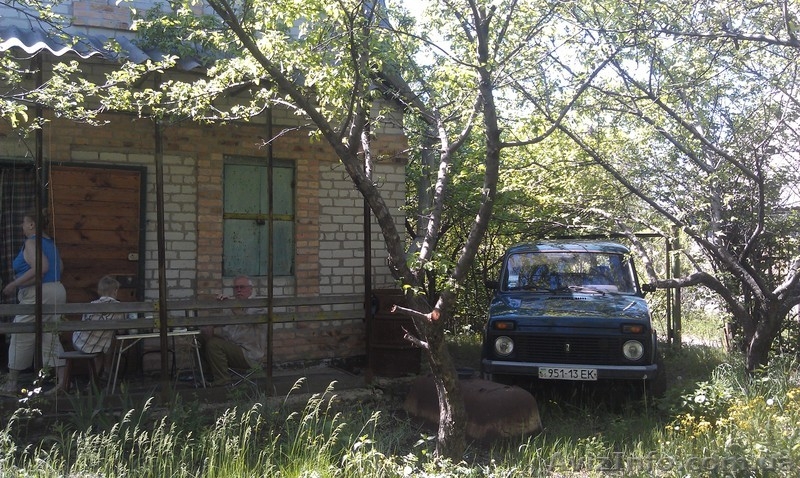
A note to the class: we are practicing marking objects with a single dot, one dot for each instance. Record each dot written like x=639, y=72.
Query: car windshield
x=549, y=271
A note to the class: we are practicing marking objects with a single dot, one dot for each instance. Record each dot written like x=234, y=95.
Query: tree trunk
x=758, y=350
x=451, y=441
x=767, y=328
x=451, y=436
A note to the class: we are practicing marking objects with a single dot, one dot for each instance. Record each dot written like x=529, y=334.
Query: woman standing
x=21, y=346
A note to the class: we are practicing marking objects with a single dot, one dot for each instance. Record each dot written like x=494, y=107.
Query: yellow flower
x=703, y=427
x=793, y=394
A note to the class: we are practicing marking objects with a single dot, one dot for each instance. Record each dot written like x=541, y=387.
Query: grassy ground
x=714, y=421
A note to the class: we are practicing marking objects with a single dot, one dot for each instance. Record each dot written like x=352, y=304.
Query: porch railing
x=187, y=313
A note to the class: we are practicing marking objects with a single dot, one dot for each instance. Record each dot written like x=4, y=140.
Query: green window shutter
x=246, y=219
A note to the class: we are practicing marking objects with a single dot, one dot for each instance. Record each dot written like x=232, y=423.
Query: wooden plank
x=98, y=221
x=72, y=325
x=93, y=194
x=115, y=266
x=81, y=264
x=191, y=305
x=86, y=177
x=117, y=208
x=97, y=214
x=181, y=313
x=127, y=239
x=98, y=252
x=75, y=267
x=76, y=324
x=89, y=277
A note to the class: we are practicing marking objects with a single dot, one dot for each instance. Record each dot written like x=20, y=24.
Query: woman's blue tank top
x=53, y=274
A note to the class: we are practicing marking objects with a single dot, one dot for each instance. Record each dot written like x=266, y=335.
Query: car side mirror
x=491, y=284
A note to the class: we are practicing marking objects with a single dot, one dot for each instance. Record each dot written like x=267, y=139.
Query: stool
x=244, y=375
x=73, y=355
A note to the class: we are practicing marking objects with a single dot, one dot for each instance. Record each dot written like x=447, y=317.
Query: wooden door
x=96, y=217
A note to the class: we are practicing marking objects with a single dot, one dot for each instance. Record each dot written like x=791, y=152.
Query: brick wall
x=328, y=224
x=341, y=248
x=101, y=13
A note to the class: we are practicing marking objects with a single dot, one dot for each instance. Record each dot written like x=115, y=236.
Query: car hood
x=572, y=305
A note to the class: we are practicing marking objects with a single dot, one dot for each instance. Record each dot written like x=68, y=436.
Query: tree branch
x=708, y=280
x=564, y=110
x=792, y=42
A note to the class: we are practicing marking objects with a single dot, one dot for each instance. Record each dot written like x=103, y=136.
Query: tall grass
x=716, y=421
x=255, y=442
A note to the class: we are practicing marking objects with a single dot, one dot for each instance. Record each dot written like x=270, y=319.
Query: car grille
x=573, y=349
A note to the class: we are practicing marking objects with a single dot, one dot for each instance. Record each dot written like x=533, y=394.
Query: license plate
x=559, y=373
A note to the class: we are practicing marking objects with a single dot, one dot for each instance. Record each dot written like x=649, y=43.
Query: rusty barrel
x=389, y=354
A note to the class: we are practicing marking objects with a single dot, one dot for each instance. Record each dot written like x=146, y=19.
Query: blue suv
x=570, y=311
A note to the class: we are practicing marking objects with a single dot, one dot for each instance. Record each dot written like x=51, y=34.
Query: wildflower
x=703, y=427
x=770, y=402
x=700, y=398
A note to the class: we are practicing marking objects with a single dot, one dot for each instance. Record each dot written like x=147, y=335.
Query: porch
x=348, y=371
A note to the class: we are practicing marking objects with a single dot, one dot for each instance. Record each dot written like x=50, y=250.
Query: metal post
x=270, y=246
x=668, y=266
x=368, y=264
x=160, y=239
x=676, y=306
x=37, y=201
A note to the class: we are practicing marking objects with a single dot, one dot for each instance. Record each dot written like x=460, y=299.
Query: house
x=101, y=192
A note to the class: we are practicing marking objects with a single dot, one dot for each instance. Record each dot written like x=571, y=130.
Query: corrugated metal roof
x=33, y=41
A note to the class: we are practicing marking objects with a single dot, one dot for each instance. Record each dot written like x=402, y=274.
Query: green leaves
x=15, y=113
x=182, y=33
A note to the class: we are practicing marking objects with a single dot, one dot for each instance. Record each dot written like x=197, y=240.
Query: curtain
x=17, y=195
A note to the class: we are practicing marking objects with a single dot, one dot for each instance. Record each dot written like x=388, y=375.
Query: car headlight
x=503, y=345
x=633, y=350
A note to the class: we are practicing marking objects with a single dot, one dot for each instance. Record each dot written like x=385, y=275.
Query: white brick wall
x=341, y=229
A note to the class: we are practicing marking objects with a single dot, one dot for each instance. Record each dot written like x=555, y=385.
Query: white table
x=125, y=342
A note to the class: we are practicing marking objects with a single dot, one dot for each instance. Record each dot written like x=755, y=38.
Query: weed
x=717, y=421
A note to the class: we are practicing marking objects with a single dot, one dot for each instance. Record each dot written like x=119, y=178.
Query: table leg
x=121, y=348
x=115, y=360
x=199, y=361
